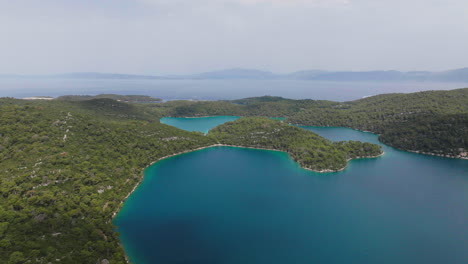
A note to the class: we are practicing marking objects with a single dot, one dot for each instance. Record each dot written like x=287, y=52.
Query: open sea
x=213, y=89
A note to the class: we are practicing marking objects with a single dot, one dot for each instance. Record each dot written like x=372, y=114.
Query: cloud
x=177, y=36
x=248, y=2
x=294, y=2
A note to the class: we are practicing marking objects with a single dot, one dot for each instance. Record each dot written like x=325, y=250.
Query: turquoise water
x=232, y=205
x=200, y=124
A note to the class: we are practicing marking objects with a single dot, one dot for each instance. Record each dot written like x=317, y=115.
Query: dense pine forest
x=66, y=167
x=432, y=122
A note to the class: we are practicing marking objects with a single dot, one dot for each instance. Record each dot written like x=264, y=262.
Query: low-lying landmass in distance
x=457, y=75
x=119, y=98
x=66, y=165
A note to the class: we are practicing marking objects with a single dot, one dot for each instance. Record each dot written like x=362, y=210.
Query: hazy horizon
x=215, y=89
x=218, y=70
x=161, y=37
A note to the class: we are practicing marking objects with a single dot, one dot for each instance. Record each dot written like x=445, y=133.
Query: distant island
x=119, y=98
x=456, y=75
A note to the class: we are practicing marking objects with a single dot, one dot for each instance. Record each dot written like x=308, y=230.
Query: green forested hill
x=123, y=98
x=266, y=106
x=432, y=122
x=307, y=148
x=436, y=134
x=374, y=112
x=65, y=168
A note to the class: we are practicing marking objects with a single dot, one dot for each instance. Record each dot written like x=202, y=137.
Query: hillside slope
x=64, y=171
x=433, y=122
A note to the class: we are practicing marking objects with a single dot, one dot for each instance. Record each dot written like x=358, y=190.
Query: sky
x=191, y=36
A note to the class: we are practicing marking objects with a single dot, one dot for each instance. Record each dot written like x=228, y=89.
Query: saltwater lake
x=227, y=205
x=213, y=89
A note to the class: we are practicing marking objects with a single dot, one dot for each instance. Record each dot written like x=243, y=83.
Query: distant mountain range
x=458, y=75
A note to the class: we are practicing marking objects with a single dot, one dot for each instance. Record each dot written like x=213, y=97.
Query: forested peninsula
x=66, y=167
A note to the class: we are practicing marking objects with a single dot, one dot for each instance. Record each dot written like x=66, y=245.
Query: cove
x=234, y=205
x=200, y=124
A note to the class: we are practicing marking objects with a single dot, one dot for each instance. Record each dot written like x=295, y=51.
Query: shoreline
x=434, y=154
x=364, y=131
x=199, y=116
x=235, y=146
x=348, y=160
x=411, y=151
x=141, y=180
x=152, y=163
x=211, y=146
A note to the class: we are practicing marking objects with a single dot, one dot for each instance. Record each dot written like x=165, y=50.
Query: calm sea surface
x=227, y=205
x=214, y=89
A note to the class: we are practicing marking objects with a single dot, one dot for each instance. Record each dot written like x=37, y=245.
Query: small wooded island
x=67, y=164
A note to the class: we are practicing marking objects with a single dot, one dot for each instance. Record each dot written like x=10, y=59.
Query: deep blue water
x=233, y=205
